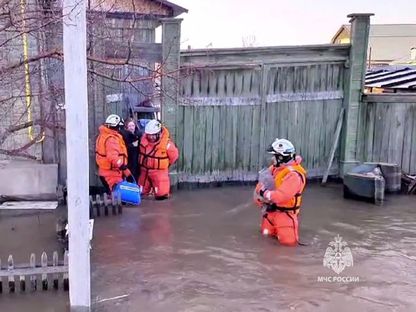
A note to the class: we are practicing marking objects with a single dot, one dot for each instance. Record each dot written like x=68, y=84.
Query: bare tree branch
x=22, y=90
x=23, y=154
x=50, y=54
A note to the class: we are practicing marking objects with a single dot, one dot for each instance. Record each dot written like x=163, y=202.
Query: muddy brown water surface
x=202, y=251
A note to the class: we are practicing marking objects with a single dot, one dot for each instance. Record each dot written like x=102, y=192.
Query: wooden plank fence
x=389, y=127
x=234, y=102
x=52, y=274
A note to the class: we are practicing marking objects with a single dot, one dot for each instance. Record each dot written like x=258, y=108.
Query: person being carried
x=281, y=203
x=132, y=136
x=156, y=154
x=111, y=153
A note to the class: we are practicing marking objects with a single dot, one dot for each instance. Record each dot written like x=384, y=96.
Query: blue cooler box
x=129, y=192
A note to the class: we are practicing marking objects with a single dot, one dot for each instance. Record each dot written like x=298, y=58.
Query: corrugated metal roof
x=396, y=78
x=407, y=85
x=381, y=73
x=388, y=76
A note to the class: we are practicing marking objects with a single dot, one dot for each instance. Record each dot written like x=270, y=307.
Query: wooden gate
x=234, y=102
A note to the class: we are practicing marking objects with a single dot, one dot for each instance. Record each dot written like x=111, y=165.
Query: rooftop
x=396, y=77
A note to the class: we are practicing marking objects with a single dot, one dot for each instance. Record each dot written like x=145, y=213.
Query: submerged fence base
x=102, y=205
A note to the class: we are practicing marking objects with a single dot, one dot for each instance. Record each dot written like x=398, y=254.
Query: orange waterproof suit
x=281, y=205
x=154, y=160
x=110, y=154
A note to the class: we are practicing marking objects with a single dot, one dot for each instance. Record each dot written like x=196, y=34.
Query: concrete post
x=354, y=86
x=76, y=104
x=171, y=34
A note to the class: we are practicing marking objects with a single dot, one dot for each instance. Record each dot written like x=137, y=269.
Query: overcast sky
x=223, y=23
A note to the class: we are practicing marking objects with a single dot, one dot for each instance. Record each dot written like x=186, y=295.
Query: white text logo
x=337, y=257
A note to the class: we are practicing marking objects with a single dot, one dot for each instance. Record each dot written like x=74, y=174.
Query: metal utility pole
x=76, y=105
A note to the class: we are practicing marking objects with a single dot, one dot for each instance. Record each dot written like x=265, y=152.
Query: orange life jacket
x=294, y=203
x=155, y=155
x=100, y=149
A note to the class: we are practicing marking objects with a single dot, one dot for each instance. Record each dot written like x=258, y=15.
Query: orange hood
x=105, y=130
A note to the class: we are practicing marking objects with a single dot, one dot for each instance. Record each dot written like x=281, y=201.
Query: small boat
x=365, y=182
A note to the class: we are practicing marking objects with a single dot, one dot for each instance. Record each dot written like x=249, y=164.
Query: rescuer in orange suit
x=111, y=153
x=157, y=153
x=281, y=203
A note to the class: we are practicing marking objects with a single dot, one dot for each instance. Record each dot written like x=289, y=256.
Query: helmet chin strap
x=157, y=137
x=280, y=159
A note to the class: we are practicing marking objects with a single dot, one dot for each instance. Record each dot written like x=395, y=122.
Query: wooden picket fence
x=48, y=271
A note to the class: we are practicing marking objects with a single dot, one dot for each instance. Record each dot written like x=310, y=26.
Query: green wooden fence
x=234, y=102
x=390, y=130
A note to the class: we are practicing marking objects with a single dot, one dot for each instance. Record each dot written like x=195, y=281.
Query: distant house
x=388, y=43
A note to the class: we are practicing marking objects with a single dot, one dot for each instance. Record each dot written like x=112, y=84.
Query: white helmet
x=114, y=120
x=153, y=127
x=281, y=146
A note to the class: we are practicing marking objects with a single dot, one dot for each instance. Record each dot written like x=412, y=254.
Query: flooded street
x=203, y=251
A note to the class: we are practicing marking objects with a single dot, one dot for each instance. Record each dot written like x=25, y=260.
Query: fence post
x=171, y=35
x=353, y=89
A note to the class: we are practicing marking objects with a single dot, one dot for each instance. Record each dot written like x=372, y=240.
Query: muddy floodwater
x=202, y=251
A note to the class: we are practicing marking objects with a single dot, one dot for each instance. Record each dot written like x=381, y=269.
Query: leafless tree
x=249, y=41
x=31, y=65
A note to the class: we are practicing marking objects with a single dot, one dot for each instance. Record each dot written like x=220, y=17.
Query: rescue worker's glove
x=130, y=179
x=126, y=172
x=122, y=167
x=263, y=193
x=258, y=199
x=260, y=189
